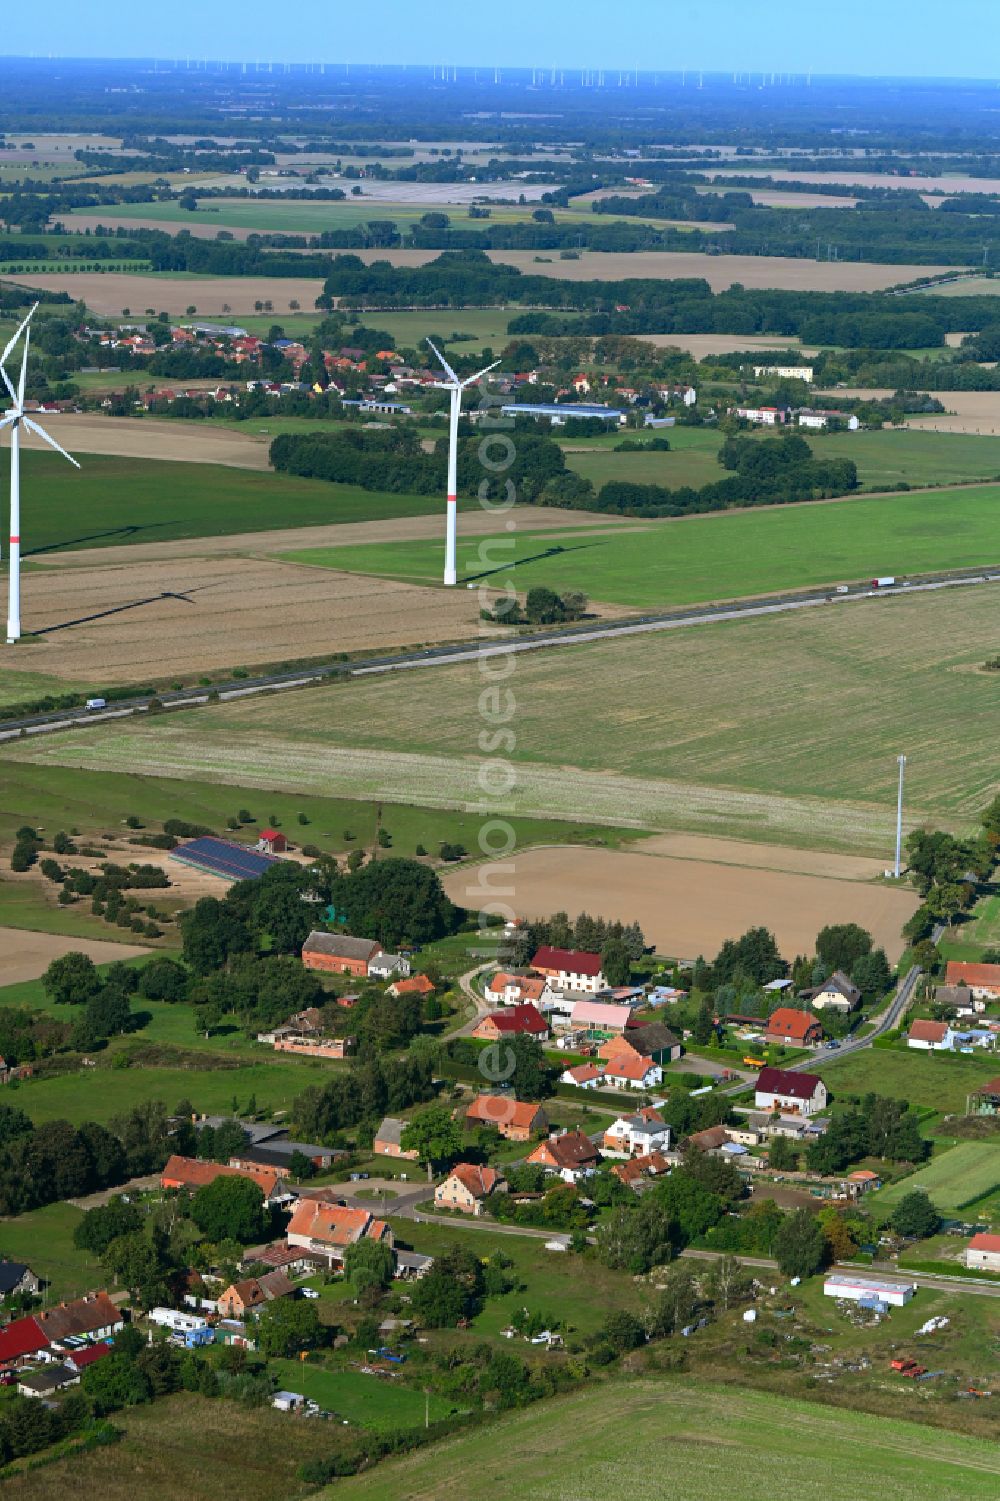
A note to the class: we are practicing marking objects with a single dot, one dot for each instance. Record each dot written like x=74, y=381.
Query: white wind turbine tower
x=15, y=418
x=455, y=387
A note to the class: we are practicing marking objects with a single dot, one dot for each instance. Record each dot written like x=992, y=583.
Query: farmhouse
x=818, y=420
x=388, y=1140
x=573, y=1156
x=512, y=990
x=513, y=1021
x=191, y=1174
x=789, y=1092
x=983, y=1252
x=654, y=1042
x=584, y=1076
x=413, y=985
x=930, y=1036
x=982, y=979
x=91, y=1317
x=835, y=994
x=467, y=1187
x=626, y=1070
x=637, y=1172
x=338, y=954
x=328, y=1229
x=797, y=1029
x=761, y=416
x=569, y=969
x=17, y=1277
x=517, y=1120
x=384, y=966
x=242, y=1297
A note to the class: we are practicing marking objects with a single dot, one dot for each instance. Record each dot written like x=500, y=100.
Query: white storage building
x=863, y=1289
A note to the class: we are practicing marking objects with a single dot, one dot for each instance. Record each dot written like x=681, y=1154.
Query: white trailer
x=860, y=1289
x=176, y=1319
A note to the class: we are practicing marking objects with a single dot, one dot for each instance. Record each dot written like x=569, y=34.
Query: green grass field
x=936, y=1080
x=619, y=1442
x=44, y=1239
x=365, y=1400
x=717, y=728
x=117, y=500
x=715, y=557
x=954, y=1179
x=884, y=459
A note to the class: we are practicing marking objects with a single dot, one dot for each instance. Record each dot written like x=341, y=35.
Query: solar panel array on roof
x=221, y=857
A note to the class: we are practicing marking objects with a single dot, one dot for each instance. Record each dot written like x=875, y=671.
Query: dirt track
x=689, y=907
x=26, y=956
x=145, y=438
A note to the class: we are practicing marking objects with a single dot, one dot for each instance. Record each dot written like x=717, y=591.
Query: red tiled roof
x=517, y=1019
x=333, y=1224
x=21, y=1337
x=927, y=1031
x=791, y=1023
x=189, y=1172
x=572, y=961
x=984, y=1241
x=629, y=1067
x=491, y=1109
x=85, y=1357
x=480, y=1181
x=961, y=972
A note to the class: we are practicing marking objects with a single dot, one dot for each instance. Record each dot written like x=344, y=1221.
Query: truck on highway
x=884, y=583
x=96, y=703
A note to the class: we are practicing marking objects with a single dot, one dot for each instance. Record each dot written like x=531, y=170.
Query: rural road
x=443, y=656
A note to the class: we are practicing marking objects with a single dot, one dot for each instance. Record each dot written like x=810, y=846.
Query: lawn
x=728, y=728
x=118, y=500
x=551, y=1280
x=44, y=1239
x=721, y=556
x=937, y=1080
x=100, y=1094
x=619, y=1442
x=183, y=1447
x=366, y=1400
x=953, y=1180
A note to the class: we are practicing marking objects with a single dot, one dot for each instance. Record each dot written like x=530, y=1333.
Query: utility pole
x=901, y=761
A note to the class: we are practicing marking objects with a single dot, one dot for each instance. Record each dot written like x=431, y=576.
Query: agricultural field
x=713, y=729
x=722, y=556
x=110, y=294
x=188, y=1446
x=954, y=1180
x=712, y=1441
x=147, y=440
x=27, y=954
x=936, y=1081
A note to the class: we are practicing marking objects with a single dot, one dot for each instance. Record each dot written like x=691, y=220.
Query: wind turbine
x=455, y=387
x=14, y=418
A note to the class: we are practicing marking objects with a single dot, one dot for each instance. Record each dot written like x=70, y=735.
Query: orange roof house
x=571, y=1155
x=513, y=1021
x=190, y=1173
x=982, y=979
x=328, y=1229
x=467, y=1187
x=798, y=1028
x=415, y=985
x=517, y=1120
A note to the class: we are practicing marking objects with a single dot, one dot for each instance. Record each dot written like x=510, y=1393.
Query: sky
x=872, y=37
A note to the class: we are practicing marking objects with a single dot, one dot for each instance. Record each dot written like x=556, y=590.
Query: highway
x=489, y=646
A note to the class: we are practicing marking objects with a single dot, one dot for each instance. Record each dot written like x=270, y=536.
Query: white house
x=761, y=416
x=583, y=1076
x=570, y=969
x=789, y=1092
x=388, y=966
x=638, y=1135
x=625, y=1070
x=517, y=990
x=928, y=1036
x=819, y=420
x=835, y=994
x=983, y=1252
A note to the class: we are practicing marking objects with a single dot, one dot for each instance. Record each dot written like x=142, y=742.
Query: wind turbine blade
x=24, y=369
x=450, y=372
x=8, y=419
x=14, y=337
x=471, y=381
x=6, y=381
x=40, y=431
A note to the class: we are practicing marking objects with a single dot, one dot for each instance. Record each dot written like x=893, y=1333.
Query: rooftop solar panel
x=224, y=858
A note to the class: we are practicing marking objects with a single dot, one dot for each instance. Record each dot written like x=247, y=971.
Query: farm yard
x=711, y=729
x=712, y=1440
